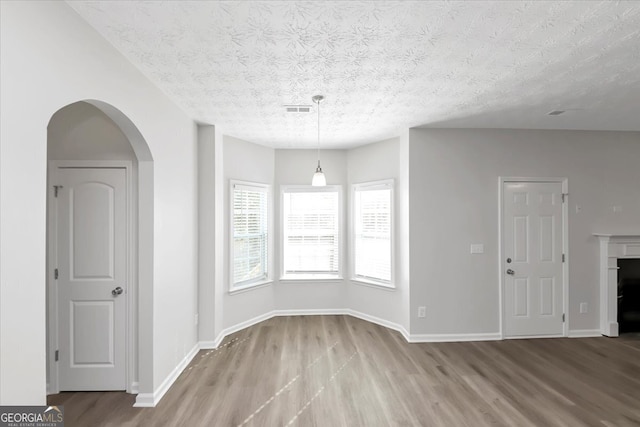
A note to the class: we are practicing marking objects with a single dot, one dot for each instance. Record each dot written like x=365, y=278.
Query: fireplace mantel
x=612, y=248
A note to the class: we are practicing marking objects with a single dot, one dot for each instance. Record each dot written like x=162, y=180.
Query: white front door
x=532, y=259
x=91, y=230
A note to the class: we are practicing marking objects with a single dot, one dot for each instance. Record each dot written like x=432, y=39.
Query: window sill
x=252, y=286
x=372, y=284
x=311, y=279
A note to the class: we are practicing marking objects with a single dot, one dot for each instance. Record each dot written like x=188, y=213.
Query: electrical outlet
x=583, y=307
x=196, y=319
x=422, y=311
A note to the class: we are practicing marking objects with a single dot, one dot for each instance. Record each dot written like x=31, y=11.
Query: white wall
x=374, y=162
x=81, y=131
x=243, y=161
x=454, y=202
x=206, y=233
x=219, y=225
x=296, y=167
x=403, y=258
x=52, y=58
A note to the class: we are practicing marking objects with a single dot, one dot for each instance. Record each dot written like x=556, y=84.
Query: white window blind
x=250, y=234
x=372, y=232
x=311, y=233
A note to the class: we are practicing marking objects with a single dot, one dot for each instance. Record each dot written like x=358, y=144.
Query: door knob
x=117, y=291
x=511, y=272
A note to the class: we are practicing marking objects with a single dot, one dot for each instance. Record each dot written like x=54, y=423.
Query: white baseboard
x=145, y=400
x=344, y=312
x=309, y=312
x=395, y=326
x=150, y=400
x=584, y=333
x=210, y=345
x=235, y=328
x=418, y=338
x=415, y=338
x=534, y=337
x=379, y=321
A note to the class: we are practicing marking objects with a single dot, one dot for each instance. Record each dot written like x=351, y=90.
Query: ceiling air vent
x=298, y=108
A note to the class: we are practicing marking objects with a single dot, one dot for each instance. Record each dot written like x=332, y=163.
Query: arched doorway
x=101, y=228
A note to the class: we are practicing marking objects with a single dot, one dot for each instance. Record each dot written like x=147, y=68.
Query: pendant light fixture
x=319, y=179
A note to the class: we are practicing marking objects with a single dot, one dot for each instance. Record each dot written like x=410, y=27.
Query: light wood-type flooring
x=342, y=371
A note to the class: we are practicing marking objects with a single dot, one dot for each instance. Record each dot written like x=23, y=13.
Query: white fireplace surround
x=612, y=248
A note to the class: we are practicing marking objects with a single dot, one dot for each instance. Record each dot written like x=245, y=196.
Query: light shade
x=318, y=179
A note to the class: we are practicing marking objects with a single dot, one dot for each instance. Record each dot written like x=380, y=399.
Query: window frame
x=318, y=277
x=268, y=278
x=386, y=184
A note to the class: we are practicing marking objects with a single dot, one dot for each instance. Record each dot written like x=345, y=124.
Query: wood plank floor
x=342, y=371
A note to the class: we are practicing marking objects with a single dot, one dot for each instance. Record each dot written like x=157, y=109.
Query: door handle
x=511, y=272
x=117, y=291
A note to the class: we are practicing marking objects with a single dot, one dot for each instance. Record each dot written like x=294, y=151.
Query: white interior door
x=532, y=259
x=91, y=261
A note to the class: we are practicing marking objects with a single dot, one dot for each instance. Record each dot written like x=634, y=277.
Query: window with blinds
x=311, y=232
x=373, y=231
x=250, y=234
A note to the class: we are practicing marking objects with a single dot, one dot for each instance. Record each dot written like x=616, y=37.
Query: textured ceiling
x=383, y=66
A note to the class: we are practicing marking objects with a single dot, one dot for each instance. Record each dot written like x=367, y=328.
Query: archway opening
x=94, y=136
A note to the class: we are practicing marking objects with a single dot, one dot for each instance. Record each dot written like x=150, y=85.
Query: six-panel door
x=532, y=268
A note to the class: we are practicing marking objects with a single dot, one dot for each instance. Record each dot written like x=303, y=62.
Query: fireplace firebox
x=629, y=295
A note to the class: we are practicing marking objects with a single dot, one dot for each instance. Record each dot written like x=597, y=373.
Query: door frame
x=565, y=248
x=131, y=306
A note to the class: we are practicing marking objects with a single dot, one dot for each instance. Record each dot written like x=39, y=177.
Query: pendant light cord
x=319, y=180
x=318, y=102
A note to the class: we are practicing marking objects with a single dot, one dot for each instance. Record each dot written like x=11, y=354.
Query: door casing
x=131, y=269
x=565, y=248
